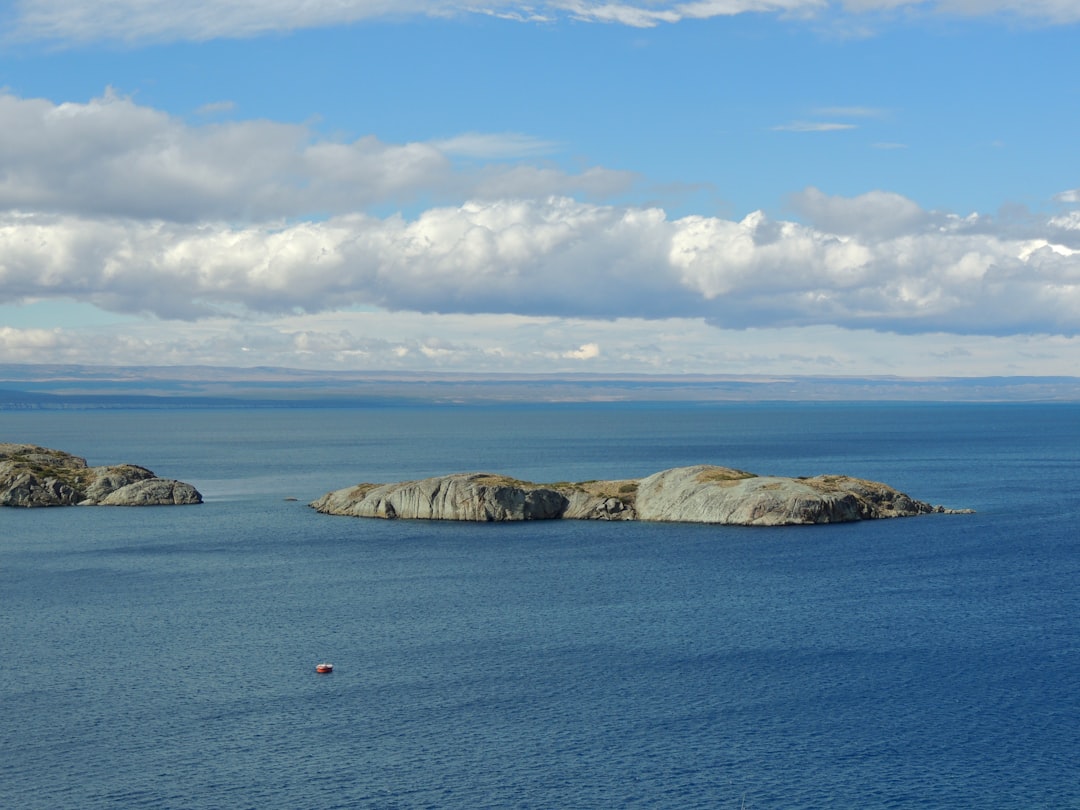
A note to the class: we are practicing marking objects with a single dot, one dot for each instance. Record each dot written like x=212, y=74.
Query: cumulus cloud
x=133, y=211
x=199, y=20
x=875, y=214
x=1066, y=228
x=112, y=156
x=897, y=269
x=587, y=351
x=26, y=344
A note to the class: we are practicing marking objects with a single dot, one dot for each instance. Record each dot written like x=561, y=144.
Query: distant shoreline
x=54, y=387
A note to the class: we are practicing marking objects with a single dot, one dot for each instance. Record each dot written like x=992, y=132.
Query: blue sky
x=738, y=186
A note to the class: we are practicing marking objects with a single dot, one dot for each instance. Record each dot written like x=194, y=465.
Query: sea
x=165, y=657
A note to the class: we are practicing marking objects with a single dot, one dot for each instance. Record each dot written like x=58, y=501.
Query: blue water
x=163, y=658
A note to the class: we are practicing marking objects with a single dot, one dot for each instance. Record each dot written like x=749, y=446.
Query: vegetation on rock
x=701, y=494
x=32, y=476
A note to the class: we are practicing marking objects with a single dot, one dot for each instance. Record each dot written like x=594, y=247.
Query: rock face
x=701, y=494
x=465, y=496
x=37, y=476
x=720, y=495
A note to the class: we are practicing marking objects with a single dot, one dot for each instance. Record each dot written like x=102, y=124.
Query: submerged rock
x=699, y=494
x=37, y=476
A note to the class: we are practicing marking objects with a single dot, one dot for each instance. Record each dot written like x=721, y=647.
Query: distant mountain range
x=30, y=386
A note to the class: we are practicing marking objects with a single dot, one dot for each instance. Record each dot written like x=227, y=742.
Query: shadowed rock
x=700, y=494
x=33, y=476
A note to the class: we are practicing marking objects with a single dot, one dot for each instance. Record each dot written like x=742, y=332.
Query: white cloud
x=1069, y=222
x=875, y=214
x=621, y=13
x=495, y=145
x=527, y=14
x=112, y=156
x=133, y=211
x=28, y=344
x=587, y=351
x=875, y=262
x=500, y=343
x=160, y=20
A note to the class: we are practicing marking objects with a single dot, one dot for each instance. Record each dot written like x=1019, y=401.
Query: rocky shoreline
x=698, y=494
x=32, y=476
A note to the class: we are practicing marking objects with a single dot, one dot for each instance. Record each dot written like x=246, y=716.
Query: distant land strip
x=55, y=387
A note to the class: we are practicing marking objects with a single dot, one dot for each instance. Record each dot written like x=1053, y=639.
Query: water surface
x=163, y=657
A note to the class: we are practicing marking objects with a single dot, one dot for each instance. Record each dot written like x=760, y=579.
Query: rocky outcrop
x=466, y=496
x=720, y=495
x=37, y=476
x=700, y=494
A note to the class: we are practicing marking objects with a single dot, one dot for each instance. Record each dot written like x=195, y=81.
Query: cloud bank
x=377, y=340
x=199, y=20
x=111, y=156
x=132, y=211
x=883, y=264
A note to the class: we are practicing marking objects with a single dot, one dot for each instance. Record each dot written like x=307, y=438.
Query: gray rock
x=107, y=480
x=153, y=492
x=700, y=494
x=706, y=494
x=601, y=500
x=32, y=476
x=464, y=496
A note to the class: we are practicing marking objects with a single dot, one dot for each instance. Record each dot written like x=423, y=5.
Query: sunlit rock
x=700, y=494
x=33, y=476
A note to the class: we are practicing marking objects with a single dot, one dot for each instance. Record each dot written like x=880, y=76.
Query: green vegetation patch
x=360, y=490
x=67, y=471
x=624, y=490
x=565, y=486
x=495, y=480
x=723, y=475
x=832, y=483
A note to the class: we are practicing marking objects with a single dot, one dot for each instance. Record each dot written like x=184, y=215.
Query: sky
x=711, y=186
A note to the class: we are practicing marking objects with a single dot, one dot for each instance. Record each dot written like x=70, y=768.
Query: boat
x=324, y=669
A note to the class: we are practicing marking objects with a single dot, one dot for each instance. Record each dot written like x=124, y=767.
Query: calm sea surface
x=164, y=657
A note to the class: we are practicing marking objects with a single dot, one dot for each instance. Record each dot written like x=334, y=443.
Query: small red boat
x=323, y=669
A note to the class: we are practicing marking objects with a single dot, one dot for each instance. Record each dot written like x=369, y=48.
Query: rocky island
x=37, y=476
x=698, y=494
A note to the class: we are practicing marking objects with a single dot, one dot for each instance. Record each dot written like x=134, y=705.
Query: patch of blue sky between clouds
x=60, y=314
